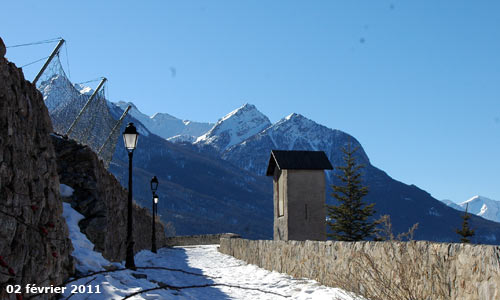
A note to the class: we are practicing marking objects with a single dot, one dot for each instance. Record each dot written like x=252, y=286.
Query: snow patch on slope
x=182, y=138
x=87, y=260
x=65, y=190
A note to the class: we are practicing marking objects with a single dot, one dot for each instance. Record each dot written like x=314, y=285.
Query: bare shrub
x=169, y=229
x=412, y=271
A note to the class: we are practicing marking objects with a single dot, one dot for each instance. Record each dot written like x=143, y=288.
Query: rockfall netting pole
x=117, y=125
x=85, y=106
x=54, y=53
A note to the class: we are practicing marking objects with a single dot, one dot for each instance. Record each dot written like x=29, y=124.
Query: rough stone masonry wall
x=200, y=239
x=457, y=271
x=34, y=243
x=103, y=201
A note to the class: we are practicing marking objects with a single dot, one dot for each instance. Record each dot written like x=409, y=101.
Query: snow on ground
x=86, y=259
x=65, y=190
x=201, y=272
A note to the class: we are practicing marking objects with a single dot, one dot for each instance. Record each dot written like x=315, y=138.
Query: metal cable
x=36, y=43
x=34, y=62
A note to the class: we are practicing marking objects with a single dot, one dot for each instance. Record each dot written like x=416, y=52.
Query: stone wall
x=423, y=270
x=202, y=239
x=103, y=201
x=34, y=243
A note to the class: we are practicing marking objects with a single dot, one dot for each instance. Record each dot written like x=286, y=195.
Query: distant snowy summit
x=168, y=126
x=235, y=127
x=479, y=205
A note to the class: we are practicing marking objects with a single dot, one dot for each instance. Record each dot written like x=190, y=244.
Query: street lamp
x=154, y=184
x=154, y=187
x=130, y=136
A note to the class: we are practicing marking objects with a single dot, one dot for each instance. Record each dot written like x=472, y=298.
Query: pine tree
x=465, y=232
x=349, y=220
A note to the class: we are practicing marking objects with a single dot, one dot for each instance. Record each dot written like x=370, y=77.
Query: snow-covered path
x=222, y=276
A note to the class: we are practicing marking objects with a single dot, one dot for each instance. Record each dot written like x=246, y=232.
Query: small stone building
x=299, y=194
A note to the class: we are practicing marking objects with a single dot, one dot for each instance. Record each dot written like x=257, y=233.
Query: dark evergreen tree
x=465, y=232
x=350, y=219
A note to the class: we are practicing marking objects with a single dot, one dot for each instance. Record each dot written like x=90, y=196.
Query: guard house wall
x=306, y=210
x=304, y=205
x=280, y=227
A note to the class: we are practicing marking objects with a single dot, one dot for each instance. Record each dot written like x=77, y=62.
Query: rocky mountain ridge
x=480, y=206
x=294, y=132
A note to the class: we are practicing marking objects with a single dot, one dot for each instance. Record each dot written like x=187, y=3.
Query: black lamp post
x=130, y=136
x=154, y=187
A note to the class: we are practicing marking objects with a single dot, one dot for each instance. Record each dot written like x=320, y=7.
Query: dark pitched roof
x=298, y=160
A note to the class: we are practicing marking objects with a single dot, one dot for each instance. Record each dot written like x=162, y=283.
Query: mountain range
x=480, y=206
x=167, y=126
x=214, y=181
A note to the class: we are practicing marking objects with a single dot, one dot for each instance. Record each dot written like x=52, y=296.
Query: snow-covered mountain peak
x=476, y=199
x=484, y=207
x=163, y=117
x=85, y=90
x=167, y=126
x=293, y=116
x=235, y=127
x=481, y=206
x=124, y=104
x=55, y=90
x=246, y=109
x=298, y=119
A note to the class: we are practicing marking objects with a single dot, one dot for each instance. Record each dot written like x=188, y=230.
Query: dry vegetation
x=412, y=265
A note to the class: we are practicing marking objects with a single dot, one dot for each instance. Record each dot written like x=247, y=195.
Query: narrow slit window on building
x=305, y=209
x=281, y=198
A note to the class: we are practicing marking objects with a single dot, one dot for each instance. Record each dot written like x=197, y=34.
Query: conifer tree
x=465, y=232
x=349, y=220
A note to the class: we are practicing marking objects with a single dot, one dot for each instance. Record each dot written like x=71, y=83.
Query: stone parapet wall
x=426, y=270
x=202, y=239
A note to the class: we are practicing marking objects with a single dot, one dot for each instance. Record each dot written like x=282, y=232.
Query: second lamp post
x=154, y=187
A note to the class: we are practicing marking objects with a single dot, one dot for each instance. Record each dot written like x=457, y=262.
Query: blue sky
x=416, y=82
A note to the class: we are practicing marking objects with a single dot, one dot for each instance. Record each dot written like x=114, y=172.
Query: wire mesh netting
x=91, y=122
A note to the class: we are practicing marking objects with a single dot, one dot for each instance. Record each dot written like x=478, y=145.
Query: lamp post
x=130, y=136
x=154, y=187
